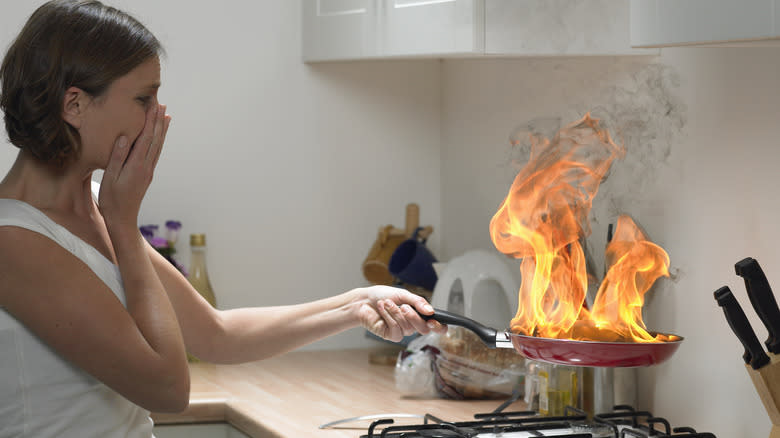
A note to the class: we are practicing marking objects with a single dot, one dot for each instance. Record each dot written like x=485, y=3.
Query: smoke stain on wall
x=639, y=104
x=649, y=118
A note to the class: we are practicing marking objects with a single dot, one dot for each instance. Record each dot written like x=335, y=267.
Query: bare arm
x=125, y=181
x=268, y=331
x=253, y=333
x=68, y=307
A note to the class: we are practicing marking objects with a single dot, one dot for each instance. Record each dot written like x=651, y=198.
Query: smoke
x=642, y=111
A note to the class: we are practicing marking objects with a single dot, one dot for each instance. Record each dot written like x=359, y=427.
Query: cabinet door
x=432, y=27
x=661, y=23
x=339, y=29
x=558, y=27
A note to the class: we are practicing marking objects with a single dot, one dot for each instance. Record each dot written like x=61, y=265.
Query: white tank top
x=41, y=394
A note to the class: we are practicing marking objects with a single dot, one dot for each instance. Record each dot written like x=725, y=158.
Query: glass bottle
x=198, y=275
x=559, y=387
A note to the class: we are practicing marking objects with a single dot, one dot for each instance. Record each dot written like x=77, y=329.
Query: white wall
x=289, y=169
x=700, y=176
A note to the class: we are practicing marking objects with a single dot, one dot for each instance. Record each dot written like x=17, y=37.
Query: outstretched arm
x=247, y=334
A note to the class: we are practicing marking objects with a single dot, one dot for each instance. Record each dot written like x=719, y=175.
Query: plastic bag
x=458, y=365
x=414, y=376
x=462, y=378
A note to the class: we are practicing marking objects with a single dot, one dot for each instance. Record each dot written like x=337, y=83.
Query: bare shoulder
x=33, y=267
x=58, y=297
x=23, y=253
x=62, y=301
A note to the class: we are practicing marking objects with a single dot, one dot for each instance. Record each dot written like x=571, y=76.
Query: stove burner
x=622, y=422
x=643, y=424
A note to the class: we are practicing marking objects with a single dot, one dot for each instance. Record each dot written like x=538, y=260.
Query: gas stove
x=622, y=422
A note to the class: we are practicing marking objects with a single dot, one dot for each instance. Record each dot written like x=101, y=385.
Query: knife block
x=767, y=383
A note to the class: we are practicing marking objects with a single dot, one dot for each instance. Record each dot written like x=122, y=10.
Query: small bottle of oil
x=198, y=274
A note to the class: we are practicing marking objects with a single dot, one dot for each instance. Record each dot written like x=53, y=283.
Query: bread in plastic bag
x=467, y=369
x=457, y=365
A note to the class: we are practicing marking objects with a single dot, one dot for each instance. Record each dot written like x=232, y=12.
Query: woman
x=94, y=323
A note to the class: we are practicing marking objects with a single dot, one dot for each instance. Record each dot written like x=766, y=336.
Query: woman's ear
x=73, y=105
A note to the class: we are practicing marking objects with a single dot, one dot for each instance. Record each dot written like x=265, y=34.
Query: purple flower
x=148, y=231
x=159, y=242
x=172, y=231
x=164, y=245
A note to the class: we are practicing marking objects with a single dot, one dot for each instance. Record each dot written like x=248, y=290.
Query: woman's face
x=120, y=111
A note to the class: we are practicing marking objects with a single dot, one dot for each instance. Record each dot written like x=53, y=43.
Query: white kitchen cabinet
x=666, y=23
x=339, y=29
x=432, y=27
x=364, y=29
x=558, y=28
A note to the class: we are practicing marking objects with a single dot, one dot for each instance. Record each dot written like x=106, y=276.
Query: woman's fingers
x=148, y=145
x=118, y=156
x=130, y=169
x=143, y=143
x=159, y=129
x=409, y=320
x=399, y=315
x=414, y=319
x=415, y=307
x=166, y=124
x=392, y=332
x=395, y=313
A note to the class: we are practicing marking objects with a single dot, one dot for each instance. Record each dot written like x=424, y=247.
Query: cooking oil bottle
x=198, y=275
x=558, y=387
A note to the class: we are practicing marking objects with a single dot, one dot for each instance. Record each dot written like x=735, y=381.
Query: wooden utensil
x=388, y=238
x=413, y=222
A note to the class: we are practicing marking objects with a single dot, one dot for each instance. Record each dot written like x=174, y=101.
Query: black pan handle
x=762, y=298
x=754, y=353
x=485, y=333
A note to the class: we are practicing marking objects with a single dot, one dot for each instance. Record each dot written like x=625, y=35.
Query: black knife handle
x=485, y=333
x=754, y=353
x=762, y=299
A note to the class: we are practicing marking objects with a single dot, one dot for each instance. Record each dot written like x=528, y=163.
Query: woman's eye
x=144, y=100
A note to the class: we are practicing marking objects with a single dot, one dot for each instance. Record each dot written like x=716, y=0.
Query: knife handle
x=762, y=298
x=754, y=353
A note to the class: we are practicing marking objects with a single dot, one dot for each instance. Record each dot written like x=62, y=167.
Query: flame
x=543, y=219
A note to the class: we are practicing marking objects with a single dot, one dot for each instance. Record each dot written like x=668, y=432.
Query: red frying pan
x=567, y=351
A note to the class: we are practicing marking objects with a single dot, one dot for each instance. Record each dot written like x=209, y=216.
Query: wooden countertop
x=291, y=395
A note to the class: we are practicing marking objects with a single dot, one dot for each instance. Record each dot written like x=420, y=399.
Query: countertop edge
x=205, y=410
x=216, y=409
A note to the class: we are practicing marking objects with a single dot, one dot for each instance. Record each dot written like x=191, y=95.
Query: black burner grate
x=623, y=422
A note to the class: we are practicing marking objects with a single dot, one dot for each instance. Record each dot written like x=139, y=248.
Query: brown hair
x=65, y=43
